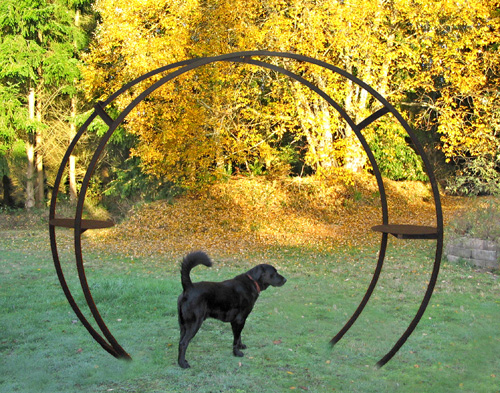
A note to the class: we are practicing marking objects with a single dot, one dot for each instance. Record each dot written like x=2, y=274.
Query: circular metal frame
x=80, y=225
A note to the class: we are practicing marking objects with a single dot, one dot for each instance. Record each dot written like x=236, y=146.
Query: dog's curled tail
x=190, y=261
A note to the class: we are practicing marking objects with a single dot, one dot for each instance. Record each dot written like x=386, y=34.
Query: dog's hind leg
x=237, y=344
x=188, y=331
x=182, y=324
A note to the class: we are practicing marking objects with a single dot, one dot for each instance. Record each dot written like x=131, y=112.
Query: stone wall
x=484, y=254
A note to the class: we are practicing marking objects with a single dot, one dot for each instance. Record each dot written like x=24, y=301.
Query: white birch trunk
x=40, y=194
x=30, y=152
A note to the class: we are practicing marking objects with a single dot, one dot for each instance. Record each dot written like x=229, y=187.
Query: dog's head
x=266, y=275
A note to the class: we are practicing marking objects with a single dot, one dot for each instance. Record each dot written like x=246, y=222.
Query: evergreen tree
x=39, y=42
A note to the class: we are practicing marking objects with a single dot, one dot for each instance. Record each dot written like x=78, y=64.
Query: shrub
x=477, y=176
x=394, y=154
x=481, y=222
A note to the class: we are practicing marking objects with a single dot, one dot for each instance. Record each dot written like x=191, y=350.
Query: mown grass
x=44, y=348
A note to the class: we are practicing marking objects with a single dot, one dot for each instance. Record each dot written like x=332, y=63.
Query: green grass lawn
x=455, y=348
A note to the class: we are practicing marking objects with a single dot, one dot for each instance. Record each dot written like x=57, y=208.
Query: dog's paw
x=238, y=353
x=242, y=346
x=184, y=364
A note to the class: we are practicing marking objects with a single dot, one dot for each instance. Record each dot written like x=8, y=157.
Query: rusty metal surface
x=403, y=231
x=79, y=225
x=86, y=224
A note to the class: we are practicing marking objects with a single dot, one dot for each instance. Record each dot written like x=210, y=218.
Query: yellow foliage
x=236, y=114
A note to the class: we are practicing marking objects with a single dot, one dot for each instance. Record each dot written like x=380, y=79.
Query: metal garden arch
x=402, y=231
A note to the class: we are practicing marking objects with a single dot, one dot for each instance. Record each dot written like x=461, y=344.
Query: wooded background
x=436, y=61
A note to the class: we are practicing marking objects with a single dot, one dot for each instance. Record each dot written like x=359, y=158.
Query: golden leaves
x=444, y=55
x=244, y=215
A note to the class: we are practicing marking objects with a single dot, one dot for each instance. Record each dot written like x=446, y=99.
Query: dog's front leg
x=237, y=344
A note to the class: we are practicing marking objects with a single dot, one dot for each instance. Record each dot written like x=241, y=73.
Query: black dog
x=229, y=301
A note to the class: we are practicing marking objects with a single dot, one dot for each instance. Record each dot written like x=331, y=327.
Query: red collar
x=255, y=282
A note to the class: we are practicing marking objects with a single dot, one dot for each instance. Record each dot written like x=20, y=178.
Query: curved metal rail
x=80, y=225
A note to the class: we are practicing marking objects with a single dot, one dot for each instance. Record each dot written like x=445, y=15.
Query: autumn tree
x=435, y=59
x=456, y=87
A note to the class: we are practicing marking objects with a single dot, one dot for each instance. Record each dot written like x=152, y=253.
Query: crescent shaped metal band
x=80, y=225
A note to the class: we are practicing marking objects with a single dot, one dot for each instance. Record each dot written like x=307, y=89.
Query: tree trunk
x=40, y=183
x=354, y=158
x=317, y=128
x=30, y=152
x=72, y=158
x=322, y=112
x=383, y=87
x=72, y=133
x=219, y=153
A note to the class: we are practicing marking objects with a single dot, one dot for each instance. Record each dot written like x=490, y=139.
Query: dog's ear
x=260, y=273
x=256, y=272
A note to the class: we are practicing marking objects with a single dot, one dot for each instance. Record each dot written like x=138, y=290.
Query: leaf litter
x=253, y=214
